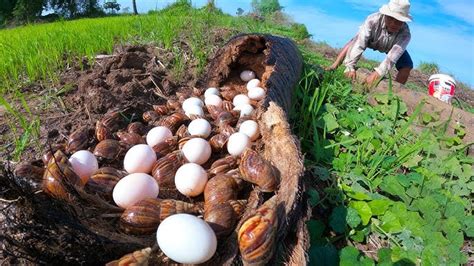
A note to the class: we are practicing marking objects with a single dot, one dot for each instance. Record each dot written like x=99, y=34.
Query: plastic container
x=441, y=86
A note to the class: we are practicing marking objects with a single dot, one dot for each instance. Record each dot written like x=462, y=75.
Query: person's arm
x=359, y=46
x=394, y=54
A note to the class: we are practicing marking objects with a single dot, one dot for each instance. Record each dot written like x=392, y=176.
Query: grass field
x=392, y=196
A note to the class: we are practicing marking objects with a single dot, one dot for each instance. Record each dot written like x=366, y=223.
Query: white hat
x=398, y=9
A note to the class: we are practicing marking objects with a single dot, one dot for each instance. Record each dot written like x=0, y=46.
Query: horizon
x=435, y=24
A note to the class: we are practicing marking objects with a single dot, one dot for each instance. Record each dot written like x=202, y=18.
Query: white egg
x=190, y=179
x=200, y=127
x=158, y=135
x=194, y=110
x=253, y=83
x=250, y=128
x=240, y=99
x=186, y=239
x=197, y=150
x=133, y=188
x=247, y=75
x=139, y=159
x=245, y=109
x=192, y=101
x=237, y=143
x=211, y=91
x=213, y=100
x=256, y=93
x=84, y=164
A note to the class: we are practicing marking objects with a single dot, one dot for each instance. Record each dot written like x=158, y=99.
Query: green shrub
x=428, y=68
x=266, y=7
x=300, y=31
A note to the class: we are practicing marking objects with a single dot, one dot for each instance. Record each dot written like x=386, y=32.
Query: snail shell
x=145, y=216
x=78, y=140
x=103, y=181
x=227, y=106
x=223, y=165
x=258, y=171
x=182, y=132
x=214, y=111
x=150, y=116
x=109, y=149
x=161, y=109
x=136, y=258
x=137, y=128
x=173, y=121
x=165, y=168
x=256, y=236
x=228, y=93
x=218, y=142
x=173, y=104
x=130, y=139
x=58, y=176
x=108, y=125
x=166, y=146
x=226, y=117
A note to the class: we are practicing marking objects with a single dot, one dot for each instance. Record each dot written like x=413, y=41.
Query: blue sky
x=442, y=30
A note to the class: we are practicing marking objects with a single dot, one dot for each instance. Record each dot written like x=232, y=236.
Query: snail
x=58, y=176
x=144, y=216
x=258, y=171
x=136, y=258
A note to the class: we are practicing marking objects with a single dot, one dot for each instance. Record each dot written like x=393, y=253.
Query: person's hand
x=351, y=75
x=372, y=78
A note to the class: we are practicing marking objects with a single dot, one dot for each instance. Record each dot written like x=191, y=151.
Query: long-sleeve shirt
x=373, y=34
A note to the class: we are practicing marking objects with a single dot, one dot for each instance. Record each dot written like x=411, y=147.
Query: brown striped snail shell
x=183, y=141
x=182, y=132
x=197, y=92
x=218, y=142
x=220, y=189
x=256, y=236
x=136, y=258
x=256, y=170
x=227, y=106
x=221, y=217
x=78, y=140
x=165, y=147
x=29, y=170
x=161, y=109
x=165, y=168
x=103, y=181
x=223, y=165
x=173, y=104
x=58, y=176
x=109, y=149
x=238, y=206
x=150, y=116
x=145, y=216
x=225, y=117
x=226, y=129
x=228, y=93
x=173, y=121
x=214, y=111
x=108, y=125
x=137, y=128
x=130, y=138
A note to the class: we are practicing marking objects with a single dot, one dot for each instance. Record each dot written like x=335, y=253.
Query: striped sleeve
x=394, y=54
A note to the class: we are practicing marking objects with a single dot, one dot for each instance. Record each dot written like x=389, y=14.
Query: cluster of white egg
x=179, y=234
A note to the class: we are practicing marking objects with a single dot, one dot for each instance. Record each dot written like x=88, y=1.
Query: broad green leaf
x=426, y=205
x=323, y=255
x=391, y=185
x=364, y=134
x=455, y=209
x=316, y=229
x=353, y=219
x=414, y=161
x=337, y=220
x=469, y=226
x=379, y=206
x=321, y=172
x=390, y=223
x=385, y=257
x=363, y=210
x=330, y=122
x=313, y=197
x=360, y=194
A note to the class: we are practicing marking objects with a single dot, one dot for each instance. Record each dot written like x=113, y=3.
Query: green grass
x=428, y=68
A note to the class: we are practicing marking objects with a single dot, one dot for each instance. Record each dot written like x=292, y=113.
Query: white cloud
x=462, y=9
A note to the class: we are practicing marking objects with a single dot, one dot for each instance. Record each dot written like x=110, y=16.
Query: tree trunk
x=134, y=2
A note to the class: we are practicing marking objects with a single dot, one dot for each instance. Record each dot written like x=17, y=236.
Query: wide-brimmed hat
x=398, y=9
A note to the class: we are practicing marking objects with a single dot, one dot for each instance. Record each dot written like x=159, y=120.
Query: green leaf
x=316, y=229
x=455, y=209
x=350, y=257
x=379, y=206
x=469, y=226
x=330, y=122
x=313, y=197
x=426, y=117
x=385, y=257
x=390, y=223
x=337, y=220
x=414, y=161
x=391, y=185
x=321, y=172
x=363, y=210
x=356, y=192
x=353, y=218
x=323, y=255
